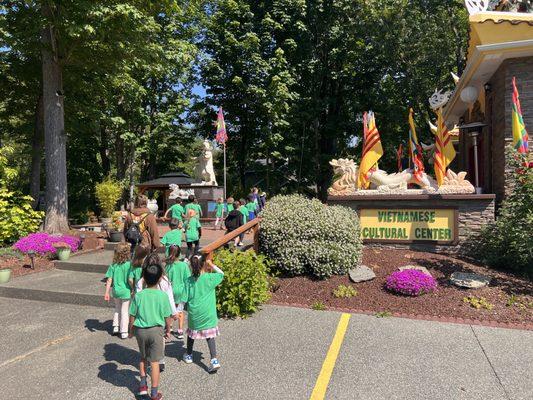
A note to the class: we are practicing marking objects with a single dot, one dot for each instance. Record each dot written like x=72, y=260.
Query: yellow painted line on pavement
x=321, y=385
x=45, y=345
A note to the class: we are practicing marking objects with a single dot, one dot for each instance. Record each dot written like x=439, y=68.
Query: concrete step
x=59, y=286
x=95, y=262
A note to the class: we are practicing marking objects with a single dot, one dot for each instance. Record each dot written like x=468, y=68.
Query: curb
x=433, y=318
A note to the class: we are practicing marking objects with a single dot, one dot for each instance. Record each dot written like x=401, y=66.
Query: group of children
x=149, y=295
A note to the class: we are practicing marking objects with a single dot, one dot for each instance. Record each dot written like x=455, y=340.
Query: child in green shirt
x=117, y=278
x=172, y=237
x=202, y=307
x=177, y=273
x=193, y=205
x=150, y=313
x=139, y=255
x=229, y=202
x=176, y=211
x=219, y=213
x=192, y=233
x=251, y=206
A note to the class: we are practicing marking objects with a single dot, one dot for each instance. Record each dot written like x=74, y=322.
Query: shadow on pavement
x=126, y=378
x=94, y=325
x=176, y=349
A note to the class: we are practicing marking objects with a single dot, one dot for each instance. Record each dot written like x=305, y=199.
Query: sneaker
x=214, y=365
x=179, y=334
x=115, y=330
x=187, y=358
x=123, y=335
x=161, y=367
x=143, y=390
x=158, y=397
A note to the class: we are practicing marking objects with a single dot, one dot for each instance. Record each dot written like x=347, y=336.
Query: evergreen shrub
x=246, y=283
x=305, y=237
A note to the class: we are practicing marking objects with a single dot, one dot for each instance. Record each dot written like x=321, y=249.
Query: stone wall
x=475, y=211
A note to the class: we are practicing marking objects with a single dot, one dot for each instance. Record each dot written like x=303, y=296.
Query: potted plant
x=62, y=250
x=108, y=193
x=115, y=233
x=5, y=275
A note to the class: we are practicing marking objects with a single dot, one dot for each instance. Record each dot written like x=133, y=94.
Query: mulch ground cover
x=511, y=296
x=21, y=264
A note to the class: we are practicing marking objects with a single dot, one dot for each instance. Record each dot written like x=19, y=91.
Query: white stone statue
x=204, y=170
x=177, y=192
x=152, y=206
x=383, y=183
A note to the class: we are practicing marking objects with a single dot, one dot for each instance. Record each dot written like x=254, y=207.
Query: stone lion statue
x=204, y=170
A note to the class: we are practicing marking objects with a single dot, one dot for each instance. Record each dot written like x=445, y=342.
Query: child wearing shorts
x=178, y=272
x=150, y=322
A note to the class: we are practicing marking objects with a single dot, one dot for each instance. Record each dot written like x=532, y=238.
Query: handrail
x=213, y=246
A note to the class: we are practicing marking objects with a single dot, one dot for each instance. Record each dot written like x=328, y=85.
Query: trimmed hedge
x=303, y=236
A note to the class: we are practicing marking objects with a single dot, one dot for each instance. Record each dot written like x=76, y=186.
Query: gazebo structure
x=500, y=47
x=162, y=184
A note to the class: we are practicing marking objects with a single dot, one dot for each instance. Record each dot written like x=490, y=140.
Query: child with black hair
x=176, y=210
x=150, y=322
x=139, y=254
x=193, y=231
x=174, y=236
x=234, y=220
x=117, y=278
x=193, y=205
x=178, y=272
x=202, y=307
x=251, y=206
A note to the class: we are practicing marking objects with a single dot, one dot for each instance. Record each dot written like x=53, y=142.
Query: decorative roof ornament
x=477, y=6
x=439, y=99
x=455, y=78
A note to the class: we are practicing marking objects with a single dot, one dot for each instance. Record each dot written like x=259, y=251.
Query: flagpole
x=225, y=194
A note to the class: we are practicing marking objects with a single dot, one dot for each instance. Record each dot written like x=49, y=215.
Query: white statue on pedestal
x=177, y=192
x=204, y=170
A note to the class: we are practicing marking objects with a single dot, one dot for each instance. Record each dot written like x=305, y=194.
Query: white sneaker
x=187, y=358
x=115, y=330
x=123, y=335
x=214, y=365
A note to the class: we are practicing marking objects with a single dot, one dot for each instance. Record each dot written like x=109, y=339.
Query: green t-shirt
x=191, y=229
x=220, y=210
x=120, y=273
x=251, y=206
x=172, y=237
x=177, y=211
x=178, y=273
x=196, y=207
x=150, y=307
x=201, y=300
x=135, y=275
x=230, y=207
x=244, y=212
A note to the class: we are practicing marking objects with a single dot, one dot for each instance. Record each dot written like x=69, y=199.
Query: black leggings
x=210, y=343
x=190, y=251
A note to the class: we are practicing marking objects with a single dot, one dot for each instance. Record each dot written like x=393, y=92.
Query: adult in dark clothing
x=262, y=201
x=147, y=223
x=234, y=220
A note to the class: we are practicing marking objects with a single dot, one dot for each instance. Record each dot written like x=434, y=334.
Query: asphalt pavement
x=51, y=350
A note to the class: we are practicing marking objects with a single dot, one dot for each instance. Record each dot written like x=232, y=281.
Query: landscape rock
x=361, y=273
x=417, y=267
x=469, y=280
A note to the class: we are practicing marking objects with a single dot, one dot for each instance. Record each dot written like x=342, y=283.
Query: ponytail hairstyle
x=138, y=256
x=173, y=254
x=196, y=266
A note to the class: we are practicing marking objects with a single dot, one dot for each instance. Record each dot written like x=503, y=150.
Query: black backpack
x=134, y=233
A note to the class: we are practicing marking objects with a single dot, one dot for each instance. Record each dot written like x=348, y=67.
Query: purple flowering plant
x=410, y=282
x=42, y=243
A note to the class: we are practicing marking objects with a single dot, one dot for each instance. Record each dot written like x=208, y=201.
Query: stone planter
x=63, y=254
x=5, y=275
x=115, y=236
x=107, y=221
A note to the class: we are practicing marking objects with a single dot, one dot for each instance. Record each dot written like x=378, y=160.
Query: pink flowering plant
x=42, y=243
x=410, y=282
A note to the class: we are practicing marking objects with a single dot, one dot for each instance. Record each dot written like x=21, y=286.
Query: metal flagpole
x=225, y=194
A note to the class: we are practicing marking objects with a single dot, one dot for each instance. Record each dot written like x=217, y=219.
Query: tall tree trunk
x=104, y=156
x=37, y=153
x=55, y=142
x=119, y=151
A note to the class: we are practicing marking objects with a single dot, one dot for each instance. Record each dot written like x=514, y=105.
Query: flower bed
x=43, y=243
x=410, y=282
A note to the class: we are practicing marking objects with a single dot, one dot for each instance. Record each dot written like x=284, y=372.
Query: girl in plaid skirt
x=202, y=307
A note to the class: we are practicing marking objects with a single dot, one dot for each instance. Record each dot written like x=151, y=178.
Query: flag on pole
x=444, y=150
x=221, y=136
x=372, y=150
x=520, y=136
x=415, y=150
x=399, y=154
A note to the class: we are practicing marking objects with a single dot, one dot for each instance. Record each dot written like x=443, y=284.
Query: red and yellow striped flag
x=444, y=150
x=372, y=150
x=520, y=136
